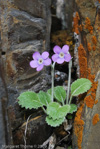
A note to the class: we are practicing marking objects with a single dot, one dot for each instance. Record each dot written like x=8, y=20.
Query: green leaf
x=44, y=98
x=49, y=91
x=60, y=93
x=73, y=108
x=52, y=109
x=56, y=111
x=80, y=86
x=62, y=111
x=54, y=123
x=29, y=100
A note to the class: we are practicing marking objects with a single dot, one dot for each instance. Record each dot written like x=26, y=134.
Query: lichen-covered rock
x=86, y=125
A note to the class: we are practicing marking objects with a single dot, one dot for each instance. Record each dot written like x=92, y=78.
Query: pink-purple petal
x=65, y=49
x=55, y=57
x=33, y=63
x=47, y=62
x=36, y=55
x=45, y=55
x=60, y=60
x=67, y=57
x=40, y=67
x=57, y=49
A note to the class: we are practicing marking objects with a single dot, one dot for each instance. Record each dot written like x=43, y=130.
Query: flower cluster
x=40, y=60
x=61, y=55
x=57, y=104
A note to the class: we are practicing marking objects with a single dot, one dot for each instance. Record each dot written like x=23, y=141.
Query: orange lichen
x=93, y=95
x=94, y=40
x=89, y=71
x=78, y=126
x=98, y=28
x=96, y=101
x=80, y=27
x=99, y=1
x=95, y=119
x=89, y=101
x=85, y=72
x=82, y=61
x=91, y=32
x=94, y=48
x=93, y=88
x=90, y=76
x=88, y=25
x=89, y=46
x=76, y=30
x=75, y=25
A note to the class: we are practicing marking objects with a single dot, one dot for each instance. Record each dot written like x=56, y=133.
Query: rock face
x=62, y=14
x=22, y=33
x=25, y=28
x=37, y=132
x=87, y=125
x=2, y=127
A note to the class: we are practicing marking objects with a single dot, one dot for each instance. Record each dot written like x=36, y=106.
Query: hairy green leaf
x=29, y=100
x=60, y=93
x=49, y=91
x=73, y=108
x=54, y=123
x=62, y=111
x=80, y=86
x=44, y=98
x=52, y=109
x=55, y=111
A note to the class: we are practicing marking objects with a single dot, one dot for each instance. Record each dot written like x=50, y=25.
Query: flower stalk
x=52, y=86
x=44, y=110
x=69, y=81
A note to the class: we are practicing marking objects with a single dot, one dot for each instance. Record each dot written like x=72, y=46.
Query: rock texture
x=25, y=28
x=87, y=126
x=62, y=14
x=37, y=130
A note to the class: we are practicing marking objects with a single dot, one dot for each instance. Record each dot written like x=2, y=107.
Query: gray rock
x=37, y=132
x=25, y=27
x=2, y=127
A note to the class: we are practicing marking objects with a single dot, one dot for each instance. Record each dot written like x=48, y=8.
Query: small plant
x=55, y=102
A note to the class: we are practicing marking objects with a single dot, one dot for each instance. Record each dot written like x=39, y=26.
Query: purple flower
x=40, y=60
x=61, y=55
